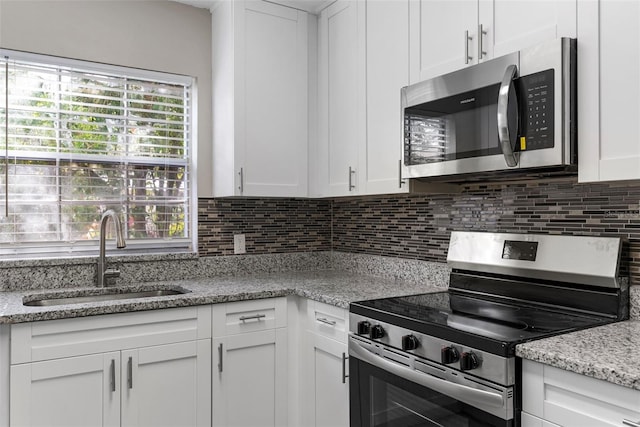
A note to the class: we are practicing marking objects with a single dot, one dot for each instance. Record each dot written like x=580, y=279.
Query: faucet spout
x=103, y=272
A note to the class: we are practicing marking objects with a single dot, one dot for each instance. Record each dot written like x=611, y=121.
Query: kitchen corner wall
x=269, y=225
x=418, y=226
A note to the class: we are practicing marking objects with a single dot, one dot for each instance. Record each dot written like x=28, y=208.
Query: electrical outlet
x=239, y=244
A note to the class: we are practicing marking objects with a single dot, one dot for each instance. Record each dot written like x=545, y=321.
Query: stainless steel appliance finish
x=448, y=358
x=593, y=260
x=512, y=113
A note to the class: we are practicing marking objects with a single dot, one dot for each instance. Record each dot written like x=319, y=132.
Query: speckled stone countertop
x=607, y=352
x=334, y=287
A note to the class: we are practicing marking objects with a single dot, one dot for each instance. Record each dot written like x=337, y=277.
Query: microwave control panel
x=536, y=95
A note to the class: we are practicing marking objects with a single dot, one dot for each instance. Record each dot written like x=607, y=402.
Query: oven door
x=389, y=388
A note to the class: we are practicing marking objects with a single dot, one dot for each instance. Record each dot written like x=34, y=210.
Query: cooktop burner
x=492, y=320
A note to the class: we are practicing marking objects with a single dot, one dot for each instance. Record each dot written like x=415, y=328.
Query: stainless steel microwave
x=515, y=113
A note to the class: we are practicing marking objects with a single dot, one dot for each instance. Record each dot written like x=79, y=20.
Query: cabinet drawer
x=249, y=316
x=327, y=320
x=52, y=339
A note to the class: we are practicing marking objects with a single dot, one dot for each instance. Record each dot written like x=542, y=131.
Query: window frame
x=89, y=247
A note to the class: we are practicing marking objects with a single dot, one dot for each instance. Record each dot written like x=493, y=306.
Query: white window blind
x=80, y=138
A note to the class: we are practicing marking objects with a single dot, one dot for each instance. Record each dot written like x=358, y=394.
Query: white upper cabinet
x=449, y=35
x=608, y=90
x=363, y=59
x=523, y=23
x=387, y=70
x=341, y=101
x=438, y=30
x=260, y=73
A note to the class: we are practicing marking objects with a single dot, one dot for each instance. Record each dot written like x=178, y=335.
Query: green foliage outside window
x=85, y=143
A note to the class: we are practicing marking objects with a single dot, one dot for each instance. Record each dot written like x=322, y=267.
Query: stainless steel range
x=448, y=358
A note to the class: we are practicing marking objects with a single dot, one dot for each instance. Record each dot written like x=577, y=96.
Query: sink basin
x=115, y=295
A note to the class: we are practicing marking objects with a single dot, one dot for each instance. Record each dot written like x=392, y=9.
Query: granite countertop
x=337, y=288
x=606, y=352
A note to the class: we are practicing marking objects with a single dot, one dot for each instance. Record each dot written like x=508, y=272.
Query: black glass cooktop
x=488, y=323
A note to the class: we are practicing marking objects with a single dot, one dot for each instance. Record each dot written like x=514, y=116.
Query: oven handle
x=503, y=117
x=462, y=392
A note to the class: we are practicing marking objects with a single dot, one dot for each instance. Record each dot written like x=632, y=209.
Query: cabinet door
x=326, y=386
x=271, y=121
x=341, y=97
x=387, y=47
x=168, y=385
x=250, y=379
x=513, y=25
x=437, y=33
x=609, y=90
x=76, y=391
x=260, y=111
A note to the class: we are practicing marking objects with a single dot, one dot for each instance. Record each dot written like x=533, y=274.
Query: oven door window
x=380, y=399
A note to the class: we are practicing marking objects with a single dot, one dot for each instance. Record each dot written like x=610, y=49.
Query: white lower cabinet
x=166, y=385
x=324, y=366
x=554, y=397
x=85, y=372
x=74, y=391
x=250, y=368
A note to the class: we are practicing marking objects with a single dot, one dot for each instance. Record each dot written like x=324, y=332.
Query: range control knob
x=469, y=361
x=410, y=342
x=449, y=355
x=376, y=332
x=363, y=327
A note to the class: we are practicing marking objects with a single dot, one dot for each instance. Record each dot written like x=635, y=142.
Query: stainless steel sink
x=116, y=295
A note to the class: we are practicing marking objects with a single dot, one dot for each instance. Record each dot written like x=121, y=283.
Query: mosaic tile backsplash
x=418, y=226
x=269, y=225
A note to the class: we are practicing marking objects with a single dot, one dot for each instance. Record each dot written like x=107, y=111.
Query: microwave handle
x=504, y=135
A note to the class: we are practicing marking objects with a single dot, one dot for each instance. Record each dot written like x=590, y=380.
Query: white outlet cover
x=239, y=246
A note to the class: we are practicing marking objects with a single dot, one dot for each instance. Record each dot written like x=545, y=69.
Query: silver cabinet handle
x=465, y=393
x=220, y=358
x=401, y=181
x=481, y=32
x=255, y=316
x=351, y=173
x=467, y=39
x=631, y=423
x=344, y=368
x=112, y=375
x=130, y=373
x=241, y=186
x=507, y=140
x=326, y=321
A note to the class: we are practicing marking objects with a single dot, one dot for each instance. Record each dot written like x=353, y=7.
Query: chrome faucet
x=103, y=272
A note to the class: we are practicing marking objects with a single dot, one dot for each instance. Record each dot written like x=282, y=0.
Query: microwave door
x=453, y=135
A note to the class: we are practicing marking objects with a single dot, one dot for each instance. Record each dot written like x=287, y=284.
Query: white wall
x=152, y=34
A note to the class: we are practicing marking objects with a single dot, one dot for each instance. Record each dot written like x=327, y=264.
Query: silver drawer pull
x=326, y=321
x=255, y=316
x=631, y=423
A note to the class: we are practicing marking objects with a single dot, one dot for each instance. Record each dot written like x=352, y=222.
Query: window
x=80, y=138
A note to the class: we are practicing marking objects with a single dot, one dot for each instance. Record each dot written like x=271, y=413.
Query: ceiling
x=311, y=6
